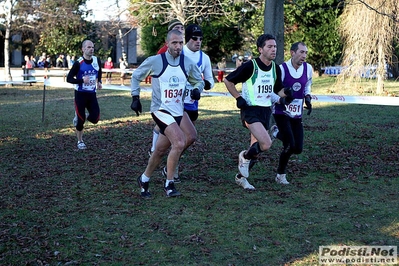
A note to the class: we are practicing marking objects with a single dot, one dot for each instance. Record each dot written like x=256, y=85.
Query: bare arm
x=231, y=87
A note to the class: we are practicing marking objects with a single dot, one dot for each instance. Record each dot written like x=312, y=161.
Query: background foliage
x=316, y=23
x=313, y=21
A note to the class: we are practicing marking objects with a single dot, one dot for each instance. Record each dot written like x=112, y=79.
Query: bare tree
x=369, y=29
x=183, y=10
x=9, y=6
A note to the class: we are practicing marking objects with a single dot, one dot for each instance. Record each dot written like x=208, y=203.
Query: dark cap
x=192, y=30
x=174, y=23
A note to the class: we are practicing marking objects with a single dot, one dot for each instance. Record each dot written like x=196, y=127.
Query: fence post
x=44, y=97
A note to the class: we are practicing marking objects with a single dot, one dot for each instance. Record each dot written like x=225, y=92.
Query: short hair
x=263, y=38
x=295, y=46
x=176, y=32
x=84, y=43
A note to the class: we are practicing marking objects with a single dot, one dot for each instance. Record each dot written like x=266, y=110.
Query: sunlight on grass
x=43, y=136
x=392, y=230
x=8, y=140
x=310, y=260
x=366, y=87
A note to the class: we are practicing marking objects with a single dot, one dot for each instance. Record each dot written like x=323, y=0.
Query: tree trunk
x=274, y=24
x=7, y=71
x=380, y=70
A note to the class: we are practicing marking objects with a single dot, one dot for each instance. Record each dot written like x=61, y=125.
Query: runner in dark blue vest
x=85, y=74
x=295, y=74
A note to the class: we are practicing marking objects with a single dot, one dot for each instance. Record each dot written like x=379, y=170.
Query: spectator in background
x=28, y=63
x=60, y=61
x=122, y=66
x=70, y=61
x=44, y=62
x=26, y=66
x=33, y=61
x=221, y=69
x=109, y=65
x=43, y=56
x=64, y=61
x=239, y=61
x=48, y=63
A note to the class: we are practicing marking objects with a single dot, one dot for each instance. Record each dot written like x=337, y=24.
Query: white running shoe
x=244, y=183
x=81, y=145
x=243, y=164
x=281, y=179
x=273, y=132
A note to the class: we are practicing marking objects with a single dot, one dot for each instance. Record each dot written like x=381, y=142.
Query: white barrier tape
x=53, y=72
x=57, y=84
x=374, y=100
x=20, y=81
x=113, y=70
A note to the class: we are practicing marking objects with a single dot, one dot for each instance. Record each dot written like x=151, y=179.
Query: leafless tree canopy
x=184, y=10
x=369, y=29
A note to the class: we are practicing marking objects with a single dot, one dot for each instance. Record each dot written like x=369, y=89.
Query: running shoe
x=244, y=183
x=243, y=164
x=171, y=191
x=144, y=188
x=75, y=120
x=273, y=132
x=281, y=179
x=81, y=145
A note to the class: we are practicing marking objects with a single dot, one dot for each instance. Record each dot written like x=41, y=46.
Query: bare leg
x=174, y=138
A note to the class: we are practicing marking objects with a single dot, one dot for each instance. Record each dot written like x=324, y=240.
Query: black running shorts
x=253, y=114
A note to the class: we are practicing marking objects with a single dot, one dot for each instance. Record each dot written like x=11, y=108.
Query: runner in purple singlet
x=295, y=74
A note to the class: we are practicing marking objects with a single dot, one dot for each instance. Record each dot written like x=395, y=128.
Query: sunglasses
x=195, y=38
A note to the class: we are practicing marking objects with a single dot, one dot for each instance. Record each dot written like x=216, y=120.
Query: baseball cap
x=192, y=30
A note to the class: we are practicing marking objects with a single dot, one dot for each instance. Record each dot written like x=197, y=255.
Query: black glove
x=286, y=100
x=136, y=105
x=241, y=103
x=207, y=85
x=195, y=94
x=289, y=92
x=308, y=104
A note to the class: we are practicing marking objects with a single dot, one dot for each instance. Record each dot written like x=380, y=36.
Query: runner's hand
x=241, y=103
x=308, y=104
x=136, y=105
x=195, y=94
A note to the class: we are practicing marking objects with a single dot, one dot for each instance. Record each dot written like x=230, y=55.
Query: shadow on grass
x=62, y=206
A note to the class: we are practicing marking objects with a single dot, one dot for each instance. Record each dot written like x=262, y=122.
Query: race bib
x=294, y=109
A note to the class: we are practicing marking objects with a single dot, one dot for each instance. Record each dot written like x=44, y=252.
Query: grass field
x=63, y=206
